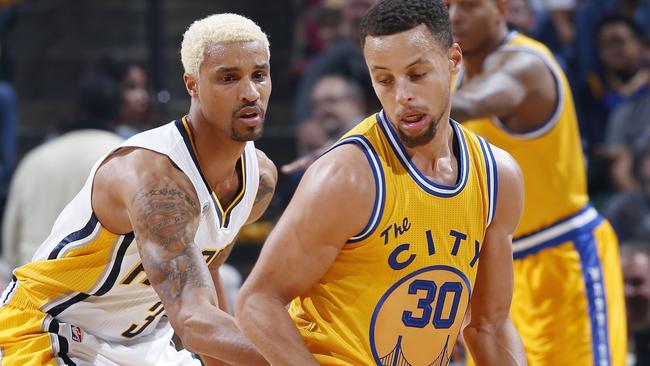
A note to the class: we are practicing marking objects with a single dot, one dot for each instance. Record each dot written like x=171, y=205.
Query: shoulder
x=266, y=166
x=517, y=62
x=344, y=173
x=510, y=174
x=128, y=170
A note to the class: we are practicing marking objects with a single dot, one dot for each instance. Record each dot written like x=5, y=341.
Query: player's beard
x=421, y=139
x=246, y=133
x=240, y=132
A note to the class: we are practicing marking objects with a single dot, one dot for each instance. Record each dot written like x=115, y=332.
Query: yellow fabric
x=22, y=339
x=23, y=342
x=550, y=306
x=78, y=271
x=553, y=165
x=362, y=301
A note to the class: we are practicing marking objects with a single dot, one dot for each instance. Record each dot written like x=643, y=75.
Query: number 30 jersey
x=87, y=276
x=398, y=291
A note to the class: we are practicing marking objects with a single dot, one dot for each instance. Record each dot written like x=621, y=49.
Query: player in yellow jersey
x=397, y=232
x=568, y=297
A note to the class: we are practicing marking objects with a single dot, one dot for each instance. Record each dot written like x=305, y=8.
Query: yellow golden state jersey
x=398, y=291
x=550, y=157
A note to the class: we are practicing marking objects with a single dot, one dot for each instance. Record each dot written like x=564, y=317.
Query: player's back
x=397, y=292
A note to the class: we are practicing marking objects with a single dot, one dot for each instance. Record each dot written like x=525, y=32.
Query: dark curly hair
x=389, y=17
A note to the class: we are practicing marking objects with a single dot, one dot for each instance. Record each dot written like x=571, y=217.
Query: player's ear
x=455, y=56
x=191, y=84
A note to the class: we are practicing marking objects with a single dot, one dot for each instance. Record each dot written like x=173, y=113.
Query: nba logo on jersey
x=77, y=334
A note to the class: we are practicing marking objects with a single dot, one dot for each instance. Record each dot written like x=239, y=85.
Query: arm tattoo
x=165, y=222
x=265, y=188
x=165, y=215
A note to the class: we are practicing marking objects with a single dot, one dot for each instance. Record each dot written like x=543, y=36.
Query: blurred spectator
x=8, y=126
x=321, y=28
x=5, y=275
x=344, y=57
x=589, y=13
x=635, y=259
x=521, y=17
x=337, y=105
x=629, y=212
x=621, y=78
x=49, y=176
x=135, y=108
x=556, y=28
x=628, y=133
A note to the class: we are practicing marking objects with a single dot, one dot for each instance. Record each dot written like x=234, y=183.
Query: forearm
x=495, y=344
x=266, y=322
x=215, y=334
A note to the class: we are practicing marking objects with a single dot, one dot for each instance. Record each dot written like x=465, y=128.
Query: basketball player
x=568, y=295
x=135, y=256
x=392, y=232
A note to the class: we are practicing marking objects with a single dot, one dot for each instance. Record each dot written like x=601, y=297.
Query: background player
x=127, y=257
x=380, y=243
x=568, y=297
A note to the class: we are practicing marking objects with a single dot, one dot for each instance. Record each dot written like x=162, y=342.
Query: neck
x=217, y=152
x=473, y=60
x=436, y=159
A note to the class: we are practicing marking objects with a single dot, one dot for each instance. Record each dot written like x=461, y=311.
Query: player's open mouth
x=250, y=116
x=413, y=118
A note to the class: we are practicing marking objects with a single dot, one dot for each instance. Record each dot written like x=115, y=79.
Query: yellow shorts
x=29, y=336
x=568, y=303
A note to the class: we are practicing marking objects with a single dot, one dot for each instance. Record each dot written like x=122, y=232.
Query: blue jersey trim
x=105, y=287
x=567, y=235
x=11, y=287
x=223, y=214
x=425, y=183
x=83, y=233
x=63, y=343
x=390, y=290
x=592, y=272
x=190, y=150
x=492, y=177
x=380, y=183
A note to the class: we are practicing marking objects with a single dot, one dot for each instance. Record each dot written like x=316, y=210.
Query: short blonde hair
x=217, y=28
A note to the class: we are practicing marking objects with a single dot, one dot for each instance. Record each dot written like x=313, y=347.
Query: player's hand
x=304, y=162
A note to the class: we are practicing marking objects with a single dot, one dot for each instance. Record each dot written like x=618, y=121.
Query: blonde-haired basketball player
x=568, y=303
x=400, y=229
x=135, y=256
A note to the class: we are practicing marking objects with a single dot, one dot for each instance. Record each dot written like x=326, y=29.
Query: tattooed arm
x=141, y=191
x=268, y=180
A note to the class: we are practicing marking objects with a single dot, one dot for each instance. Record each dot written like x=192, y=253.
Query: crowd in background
x=602, y=45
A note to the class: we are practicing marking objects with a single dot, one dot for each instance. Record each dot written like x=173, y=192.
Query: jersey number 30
x=429, y=289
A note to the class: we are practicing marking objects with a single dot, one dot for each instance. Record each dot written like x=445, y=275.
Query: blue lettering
x=430, y=244
x=384, y=234
x=477, y=250
x=459, y=237
x=394, y=263
x=456, y=288
x=424, y=303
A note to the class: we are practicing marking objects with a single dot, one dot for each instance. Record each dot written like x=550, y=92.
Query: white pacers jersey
x=85, y=276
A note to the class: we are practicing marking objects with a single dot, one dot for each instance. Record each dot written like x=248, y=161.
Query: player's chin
x=246, y=133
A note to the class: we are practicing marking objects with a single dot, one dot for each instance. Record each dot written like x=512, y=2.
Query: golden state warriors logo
x=417, y=320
